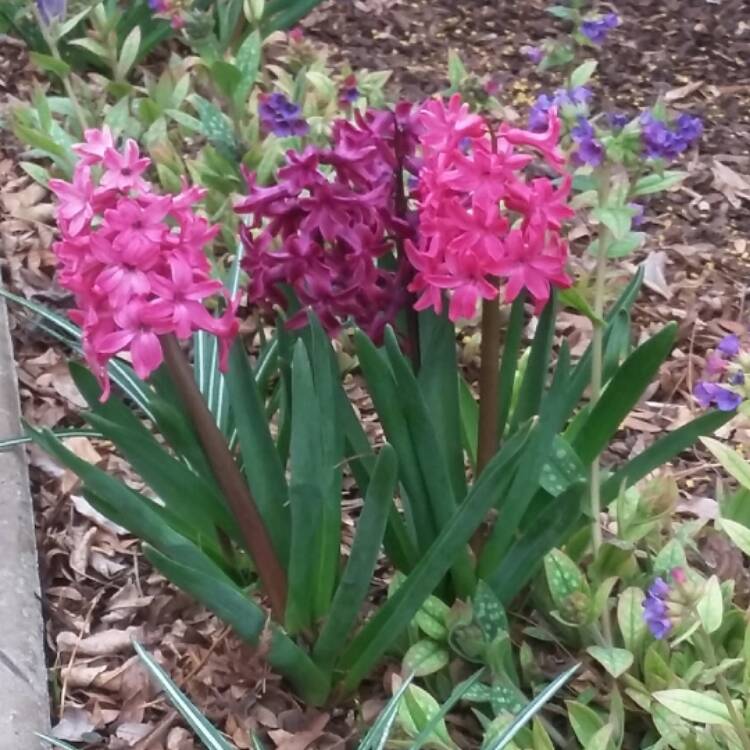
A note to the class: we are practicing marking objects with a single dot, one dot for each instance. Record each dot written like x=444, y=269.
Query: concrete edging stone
x=24, y=708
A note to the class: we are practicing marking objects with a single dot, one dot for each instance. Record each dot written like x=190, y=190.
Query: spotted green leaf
x=417, y=709
x=563, y=577
x=489, y=611
x=425, y=657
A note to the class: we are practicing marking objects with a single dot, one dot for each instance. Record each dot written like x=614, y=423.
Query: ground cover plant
x=290, y=228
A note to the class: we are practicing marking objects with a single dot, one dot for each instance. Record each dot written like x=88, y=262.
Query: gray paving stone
x=24, y=706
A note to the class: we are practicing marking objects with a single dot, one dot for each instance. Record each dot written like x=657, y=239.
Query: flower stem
x=230, y=480
x=709, y=654
x=597, y=367
x=489, y=374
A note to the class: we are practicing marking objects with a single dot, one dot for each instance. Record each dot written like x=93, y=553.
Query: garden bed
x=97, y=591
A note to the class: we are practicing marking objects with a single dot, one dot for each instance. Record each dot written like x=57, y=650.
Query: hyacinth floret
x=134, y=259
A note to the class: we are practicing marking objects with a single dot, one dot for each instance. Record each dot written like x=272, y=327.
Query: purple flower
x=282, y=117
x=578, y=96
x=726, y=400
x=535, y=54
x=737, y=378
x=705, y=393
x=51, y=10
x=618, y=120
x=730, y=345
x=660, y=141
x=708, y=394
x=575, y=97
x=596, y=30
x=349, y=95
x=688, y=127
x=538, y=115
x=589, y=151
x=639, y=211
x=655, y=609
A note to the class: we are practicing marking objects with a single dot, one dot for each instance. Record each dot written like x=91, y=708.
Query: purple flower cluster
x=322, y=229
x=597, y=29
x=281, y=117
x=577, y=98
x=709, y=392
x=655, y=609
x=656, y=605
x=663, y=140
x=589, y=151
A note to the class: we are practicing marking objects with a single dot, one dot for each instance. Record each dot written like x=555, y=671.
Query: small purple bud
x=639, y=210
x=715, y=364
x=730, y=345
x=659, y=588
x=51, y=10
x=535, y=54
x=617, y=121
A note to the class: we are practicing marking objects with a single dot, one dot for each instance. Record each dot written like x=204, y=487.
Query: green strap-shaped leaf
x=361, y=459
x=430, y=455
x=142, y=517
x=306, y=494
x=355, y=581
x=260, y=460
x=385, y=396
x=581, y=375
x=531, y=709
x=662, y=451
x=207, y=733
x=438, y=381
x=550, y=527
x=469, y=410
x=532, y=388
x=395, y=615
x=327, y=381
x=513, y=505
x=622, y=394
x=184, y=491
x=248, y=620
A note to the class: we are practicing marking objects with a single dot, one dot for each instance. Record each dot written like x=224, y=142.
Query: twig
x=74, y=652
